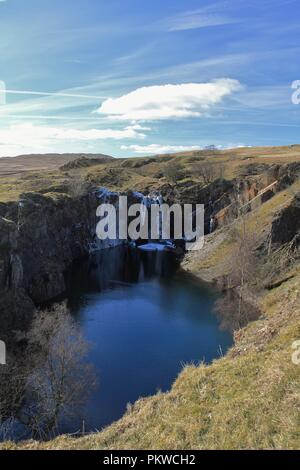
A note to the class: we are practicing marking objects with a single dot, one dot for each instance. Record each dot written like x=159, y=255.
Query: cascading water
x=143, y=320
x=147, y=201
x=105, y=196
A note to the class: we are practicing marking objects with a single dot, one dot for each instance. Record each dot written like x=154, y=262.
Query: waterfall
x=151, y=199
x=141, y=272
x=146, y=201
x=105, y=196
x=158, y=199
x=144, y=204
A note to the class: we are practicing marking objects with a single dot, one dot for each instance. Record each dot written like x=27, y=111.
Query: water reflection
x=117, y=267
x=144, y=319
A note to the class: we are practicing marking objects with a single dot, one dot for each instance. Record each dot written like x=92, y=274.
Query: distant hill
x=49, y=161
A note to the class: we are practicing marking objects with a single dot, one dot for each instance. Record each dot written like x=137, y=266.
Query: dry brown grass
x=36, y=172
x=248, y=399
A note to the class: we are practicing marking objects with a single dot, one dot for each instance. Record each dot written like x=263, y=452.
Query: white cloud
x=158, y=149
x=29, y=138
x=154, y=149
x=169, y=101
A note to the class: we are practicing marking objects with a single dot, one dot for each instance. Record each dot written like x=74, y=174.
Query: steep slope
x=48, y=161
x=249, y=398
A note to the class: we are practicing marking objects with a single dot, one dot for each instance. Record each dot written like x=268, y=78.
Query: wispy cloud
x=196, y=20
x=130, y=80
x=158, y=148
x=48, y=117
x=169, y=101
x=154, y=149
x=135, y=54
x=215, y=14
x=46, y=93
x=45, y=103
x=23, y=138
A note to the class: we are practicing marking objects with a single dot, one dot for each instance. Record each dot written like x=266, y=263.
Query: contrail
x=44, y=93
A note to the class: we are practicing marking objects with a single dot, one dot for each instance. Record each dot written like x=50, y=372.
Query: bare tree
x=12, y=380
x=208, y=171
x=50, y=380
x=235, y=309
x=78, y=187
x=61, y=380
x=239, y=305
x=173, y=172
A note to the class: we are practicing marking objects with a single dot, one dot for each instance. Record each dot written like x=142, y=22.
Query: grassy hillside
x=249, y=398
x=48, y=174
x=48, y=161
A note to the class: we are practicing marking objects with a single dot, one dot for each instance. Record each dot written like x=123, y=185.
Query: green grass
x=143, y=173
x=248, y=399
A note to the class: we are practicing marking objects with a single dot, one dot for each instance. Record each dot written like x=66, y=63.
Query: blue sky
x=132, y=77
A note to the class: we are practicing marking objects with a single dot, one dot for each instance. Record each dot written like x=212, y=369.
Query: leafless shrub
x=236, y=309
x=239, y=305
x=12, y=380
x=278, y=263
x=208, y=171
x=52, y=381
x=241, y=265
x=173, y=172
x=77, y=187
x=60, y=379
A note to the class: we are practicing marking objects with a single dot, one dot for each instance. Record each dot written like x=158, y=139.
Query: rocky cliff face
x=40, y=237
x=224, y=199
x=286, y=225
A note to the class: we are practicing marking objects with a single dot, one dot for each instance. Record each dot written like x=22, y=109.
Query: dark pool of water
x=144, y=321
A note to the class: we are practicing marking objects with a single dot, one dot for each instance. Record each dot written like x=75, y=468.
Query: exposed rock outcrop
x=43, y=238
x=41, y=235
x=286, y=226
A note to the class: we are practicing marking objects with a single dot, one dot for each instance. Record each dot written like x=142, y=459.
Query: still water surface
x=144, y=320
